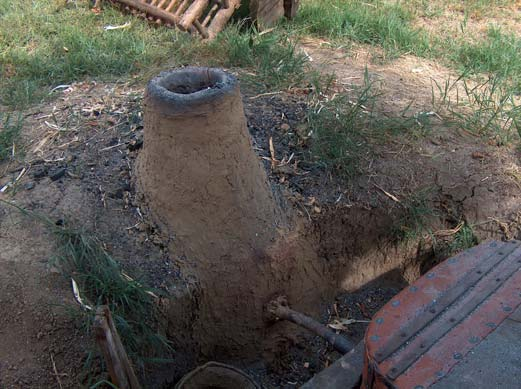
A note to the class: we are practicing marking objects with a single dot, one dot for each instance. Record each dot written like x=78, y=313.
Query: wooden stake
x=108, y=340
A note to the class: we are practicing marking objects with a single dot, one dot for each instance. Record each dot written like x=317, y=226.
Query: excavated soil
x=81, y=150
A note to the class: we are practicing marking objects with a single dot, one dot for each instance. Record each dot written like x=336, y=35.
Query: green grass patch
x=342, y=127
x=416, y=218
x=45, y=43
x=497, y=54
x=489, y=108
x=334, y=125
x=102, y=282
x=464, y=239
x=371, y=22
x=9, y=135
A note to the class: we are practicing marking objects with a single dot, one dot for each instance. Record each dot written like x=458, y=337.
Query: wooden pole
x=153, y=11
x=221, y=18
x=107, y=338
x=193, y=12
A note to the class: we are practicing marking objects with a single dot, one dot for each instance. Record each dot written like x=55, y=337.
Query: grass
x=334, y=124
x=342, y=126
x=101, y=281
x=273, y=57
x=474, y=8
x=371, y=22
x=497, y=54
x=45, y=43
x=416, y=217
x=464, y=239
x=489, y=108
x=9, y=135
x=390, y=25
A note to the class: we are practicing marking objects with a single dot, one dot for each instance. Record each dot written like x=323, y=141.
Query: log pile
x=203, y=17
x=208, y=17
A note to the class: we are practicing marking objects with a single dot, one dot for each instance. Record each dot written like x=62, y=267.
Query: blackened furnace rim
x=209, y=84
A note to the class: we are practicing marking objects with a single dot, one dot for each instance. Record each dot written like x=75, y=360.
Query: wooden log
x=153, y=11
x=221, y=18
x=171, y=5
x=193, y=12
x=209, y=16
x=181, y=8
x=108, y=340
x=201, y=29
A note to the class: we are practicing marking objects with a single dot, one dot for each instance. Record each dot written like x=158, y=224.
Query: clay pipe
x=280, y=309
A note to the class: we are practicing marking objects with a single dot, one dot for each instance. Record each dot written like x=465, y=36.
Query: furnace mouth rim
x=191, y=85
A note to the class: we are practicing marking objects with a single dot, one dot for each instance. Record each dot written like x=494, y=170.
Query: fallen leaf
x=342, y=324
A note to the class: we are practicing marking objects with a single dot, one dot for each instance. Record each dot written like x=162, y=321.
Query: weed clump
x=416, y=218
x=342, y=127
x=498, y=54
x=102, y=282
x=488, y=108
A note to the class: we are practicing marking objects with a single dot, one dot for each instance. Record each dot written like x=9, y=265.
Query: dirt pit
x=79, y=164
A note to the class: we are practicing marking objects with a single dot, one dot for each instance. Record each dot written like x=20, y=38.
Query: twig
x=56, y=373
x=13, y=183
x=111, y=147
x=392, y=197
x=272, y=153
x=449, y=232
x=265, y=94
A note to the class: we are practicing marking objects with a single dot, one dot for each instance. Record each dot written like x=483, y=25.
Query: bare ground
x=94, y=132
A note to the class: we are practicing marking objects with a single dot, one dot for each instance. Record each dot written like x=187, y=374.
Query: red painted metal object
x=425, y=331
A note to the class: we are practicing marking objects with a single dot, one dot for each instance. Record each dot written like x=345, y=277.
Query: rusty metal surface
x=494, y=363
x=490, y=258
x=427, y=329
